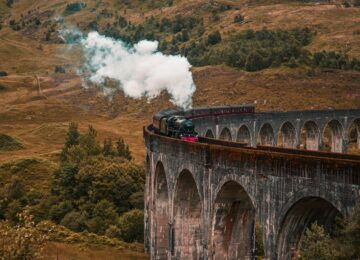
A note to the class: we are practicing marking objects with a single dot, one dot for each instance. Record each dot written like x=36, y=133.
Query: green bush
x=59, y=69
x=239, y=19
x=23, y=241
x=131, y=226
x=214, y=38
x=316, y=244
x=73, y=8
x=8, y=143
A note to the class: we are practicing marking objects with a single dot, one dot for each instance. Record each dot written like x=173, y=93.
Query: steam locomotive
x=177, y=123
x=176, y=126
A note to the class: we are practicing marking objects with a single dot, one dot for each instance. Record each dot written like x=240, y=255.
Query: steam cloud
x=139, y=70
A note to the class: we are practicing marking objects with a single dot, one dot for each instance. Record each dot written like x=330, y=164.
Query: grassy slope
x=39, y=116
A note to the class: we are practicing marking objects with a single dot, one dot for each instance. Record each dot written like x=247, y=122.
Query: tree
x=123, y=149
x=239, y=18
x=184, y=35
x=254, y=62
x=72, y=137
x=9, y=3
x=24, y=241
x=89, y=142
x=316, y=244
x=214, y=38
x=131, y=226
x=108, y=147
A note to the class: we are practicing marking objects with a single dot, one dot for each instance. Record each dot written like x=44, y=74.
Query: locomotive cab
x=180, y=127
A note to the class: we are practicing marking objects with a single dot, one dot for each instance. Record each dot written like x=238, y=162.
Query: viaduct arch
x=202, y=199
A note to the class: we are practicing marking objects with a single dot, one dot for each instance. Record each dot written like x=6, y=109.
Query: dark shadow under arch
x=299, y=217
x=287, y=136
x=161, y=213
x=233, y=223
x=354, y=137
x=333, y=137
x=187, y=214
x=209, y=134
x=244, y=135
x=310, y=136
x=225, y=135
x=266, y=135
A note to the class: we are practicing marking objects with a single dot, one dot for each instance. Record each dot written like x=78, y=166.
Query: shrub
x=8, y=143
x=73, y=8
x=59, y=69
x=9, y=3
x=316, y=244
x=214, y=38
x=131, y=226
x=254, y=62
x=23, y=241
x=3, y=74
x=346, y=4
x=239, y=19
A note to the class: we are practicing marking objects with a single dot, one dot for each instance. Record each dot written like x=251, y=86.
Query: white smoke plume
x=139, y=70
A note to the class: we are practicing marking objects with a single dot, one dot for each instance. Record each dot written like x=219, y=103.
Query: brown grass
x=62, y=251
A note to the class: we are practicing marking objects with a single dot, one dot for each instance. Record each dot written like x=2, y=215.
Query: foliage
x=259, y=245
x=335, y=61
x=131, y=226
x=316, y=244
x=342, y=243
x=22, y=241
x=73, y=8
x=93, y=186
x=8, y=143
x=239, y=19
x=62, y=234
x=214, y=38
x=3, y=74
x=59, y=69
x=9, y=3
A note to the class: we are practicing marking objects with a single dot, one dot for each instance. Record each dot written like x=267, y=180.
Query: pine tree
x=89, y=142
x=108, y=147
x=123, y=150
x=72, y=135
x=254, y=62
x=72, y=139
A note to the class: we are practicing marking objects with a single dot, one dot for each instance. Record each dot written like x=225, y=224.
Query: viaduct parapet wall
x=285, y=128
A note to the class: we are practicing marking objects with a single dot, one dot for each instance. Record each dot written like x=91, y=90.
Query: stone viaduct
x=210, y=199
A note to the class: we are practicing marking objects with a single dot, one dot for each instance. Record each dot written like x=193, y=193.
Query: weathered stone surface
x=202, y=200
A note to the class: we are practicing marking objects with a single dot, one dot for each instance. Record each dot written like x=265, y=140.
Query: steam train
x=177, y=123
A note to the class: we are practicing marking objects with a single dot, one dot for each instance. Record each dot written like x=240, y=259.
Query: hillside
x=37, y=103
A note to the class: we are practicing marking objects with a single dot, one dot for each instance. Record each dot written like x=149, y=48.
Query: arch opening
x=187, y=223
x=354, y=137
x=209, y=134
x=161, y=213
x=333, y=137
x=266, y=135
x=287, y=136
x=300, y=217
x=233, y=223
x=244, y=136
x=310, y=136
x=225, y=135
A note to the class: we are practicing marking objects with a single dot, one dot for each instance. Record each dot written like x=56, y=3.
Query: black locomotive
x=176, y=126
x=177, y=123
